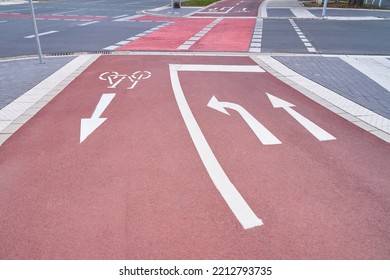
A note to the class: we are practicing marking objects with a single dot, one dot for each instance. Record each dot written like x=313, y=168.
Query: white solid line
x=120, y=16
x=41, y=34
x=88, y=23
x=121, y=43
x=111, y=48
x=218, y=68
x=232, y=197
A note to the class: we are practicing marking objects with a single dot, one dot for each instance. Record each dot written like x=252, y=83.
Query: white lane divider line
x=136, y=37
x=41, y=34
x=121, y=16
x=257, y=36
x=303, y=38
x=88, y=23
x=228, y=191
x=127, y=18
x=187, y=44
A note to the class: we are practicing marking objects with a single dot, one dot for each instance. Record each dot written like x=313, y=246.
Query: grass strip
x=198, y=3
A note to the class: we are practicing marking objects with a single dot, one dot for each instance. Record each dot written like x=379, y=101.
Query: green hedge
x=198, y=3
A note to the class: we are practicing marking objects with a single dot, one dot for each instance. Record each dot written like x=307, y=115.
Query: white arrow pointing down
x=89, y=125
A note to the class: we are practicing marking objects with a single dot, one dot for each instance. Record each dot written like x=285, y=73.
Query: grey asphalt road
x=93, y=25
x=71, y=25
x=367, y=37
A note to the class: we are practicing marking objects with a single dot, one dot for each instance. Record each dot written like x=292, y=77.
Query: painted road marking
x=257, y=36
x=303, y=38
x=380, y=125
x=41, y=34
x=232, y=197
x=128, y=18
x=222, y=10
x=302, y=13
x=121, y=16
x=114, y=78
x=136, y=37
x=89, y=125
x=186, y=45
x=314, y=129
x=262, y=133
x=88, y=23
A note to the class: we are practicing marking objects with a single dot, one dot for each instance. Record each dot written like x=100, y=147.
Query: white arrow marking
x=89, y=125
x=264, y=135
x=314, y=129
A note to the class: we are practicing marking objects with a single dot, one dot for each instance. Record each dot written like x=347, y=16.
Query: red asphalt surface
x=227, y=35
x=136, y=188
x=232, y=8
x=169, y=37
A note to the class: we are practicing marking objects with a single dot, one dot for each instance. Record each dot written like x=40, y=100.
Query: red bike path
x=137, y=187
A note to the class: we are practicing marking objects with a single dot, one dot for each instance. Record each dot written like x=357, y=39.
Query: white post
x=324, y=8
x=36, y=32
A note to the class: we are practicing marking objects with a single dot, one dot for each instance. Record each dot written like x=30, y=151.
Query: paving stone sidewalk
x=19, y=76
x=340, y=77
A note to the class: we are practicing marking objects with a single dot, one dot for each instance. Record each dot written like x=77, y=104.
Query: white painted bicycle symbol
x=114, y=78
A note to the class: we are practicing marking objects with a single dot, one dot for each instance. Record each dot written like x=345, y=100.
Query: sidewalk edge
x=22, y=109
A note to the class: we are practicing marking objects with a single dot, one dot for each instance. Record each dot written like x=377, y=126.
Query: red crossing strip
x=169, y=37
x=226, y=35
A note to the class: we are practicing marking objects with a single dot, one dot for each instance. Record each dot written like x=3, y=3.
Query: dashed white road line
x=187, y=44
x=257, y=36
x=121, y=16
x=41, y=34
x=88, y=23
x=127, y=18
x=136, y=37
x=303, y=38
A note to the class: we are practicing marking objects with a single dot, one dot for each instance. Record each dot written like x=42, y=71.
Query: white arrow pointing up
x=314, y=129
x=89, y=125
x=264, y=135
